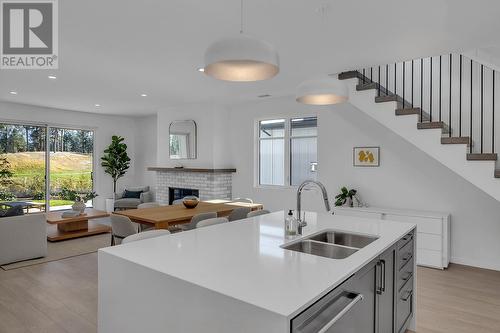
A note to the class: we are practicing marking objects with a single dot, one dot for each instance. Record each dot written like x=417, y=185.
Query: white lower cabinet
x=433, y=231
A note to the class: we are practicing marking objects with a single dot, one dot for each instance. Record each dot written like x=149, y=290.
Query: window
x=287, y=151
x=28, y=181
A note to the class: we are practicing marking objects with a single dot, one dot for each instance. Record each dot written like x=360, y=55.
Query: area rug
x=66, y=249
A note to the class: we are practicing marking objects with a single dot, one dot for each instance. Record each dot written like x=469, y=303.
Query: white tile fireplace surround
x=212, y=183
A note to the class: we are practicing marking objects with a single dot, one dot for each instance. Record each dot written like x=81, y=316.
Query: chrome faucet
x=303, y=223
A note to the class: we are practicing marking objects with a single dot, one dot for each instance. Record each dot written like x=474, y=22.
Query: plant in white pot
x=115, y=160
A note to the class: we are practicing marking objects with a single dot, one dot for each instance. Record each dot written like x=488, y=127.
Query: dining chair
x=246, y=200
x=239, y=213
x=197, y=218
x=148, y=205
x=258, y=212
x=145, y=235
x=213, y=221
x=121, y=227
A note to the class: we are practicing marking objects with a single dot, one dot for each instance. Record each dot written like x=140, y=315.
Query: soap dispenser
x=291, y=224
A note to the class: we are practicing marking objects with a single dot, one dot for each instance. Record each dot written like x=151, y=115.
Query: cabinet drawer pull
x=407, y=295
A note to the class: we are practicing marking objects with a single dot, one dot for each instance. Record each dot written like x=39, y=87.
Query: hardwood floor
x=61, y=296
x=460, y=299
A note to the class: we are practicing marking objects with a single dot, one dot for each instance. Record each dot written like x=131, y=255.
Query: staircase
x=443, y=105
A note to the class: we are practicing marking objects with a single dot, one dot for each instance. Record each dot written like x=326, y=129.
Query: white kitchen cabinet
x=433, y=231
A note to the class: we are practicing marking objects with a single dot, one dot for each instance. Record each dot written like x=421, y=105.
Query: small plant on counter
x=344, y=196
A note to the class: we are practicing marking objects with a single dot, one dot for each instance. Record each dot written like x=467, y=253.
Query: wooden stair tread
x=455, y=140
x=481, y=157
x=367, y=86
x=497, y=173
x=348, y=75
x=387, y=98
x=431, y=125
x=407, y=111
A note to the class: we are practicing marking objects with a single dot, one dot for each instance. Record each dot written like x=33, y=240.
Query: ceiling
x=112, y=51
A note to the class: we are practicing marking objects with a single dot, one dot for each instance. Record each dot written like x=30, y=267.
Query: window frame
x=287, y=137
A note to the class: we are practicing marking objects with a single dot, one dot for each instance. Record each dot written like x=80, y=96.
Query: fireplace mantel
x=202, y=170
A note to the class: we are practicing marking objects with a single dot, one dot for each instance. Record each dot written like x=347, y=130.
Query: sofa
x=22, y=237
x=122, y=202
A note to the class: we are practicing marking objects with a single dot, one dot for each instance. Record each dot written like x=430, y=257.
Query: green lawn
x=56, y=203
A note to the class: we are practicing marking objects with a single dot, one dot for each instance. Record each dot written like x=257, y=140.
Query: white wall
x=407, y=177
x=146, y=135
x=212, y=125
x=104, y=126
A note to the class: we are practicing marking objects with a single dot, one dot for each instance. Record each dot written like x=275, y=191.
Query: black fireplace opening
x=176, y=193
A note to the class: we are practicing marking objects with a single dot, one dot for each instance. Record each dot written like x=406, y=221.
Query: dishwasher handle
x=335, y=319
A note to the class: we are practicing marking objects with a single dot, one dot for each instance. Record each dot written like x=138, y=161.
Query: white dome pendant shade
x=324, y=90
x=241, y=58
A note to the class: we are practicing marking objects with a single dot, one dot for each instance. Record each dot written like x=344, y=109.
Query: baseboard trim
x=474, y=263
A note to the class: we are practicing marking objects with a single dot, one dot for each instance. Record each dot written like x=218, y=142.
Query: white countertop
x=244, y=259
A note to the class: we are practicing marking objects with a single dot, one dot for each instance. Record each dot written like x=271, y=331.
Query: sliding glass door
x=44, y=168
x=23, y=167
x=70, y=166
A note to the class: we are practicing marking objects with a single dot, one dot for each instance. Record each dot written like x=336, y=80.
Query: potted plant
x=81, y=199
x=344, y=196
x=115, y=160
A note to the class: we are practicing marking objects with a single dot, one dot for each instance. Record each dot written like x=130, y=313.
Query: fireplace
x=176, y=193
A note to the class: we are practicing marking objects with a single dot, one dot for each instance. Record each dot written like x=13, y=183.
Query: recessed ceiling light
x=52, y=77
x=144, y=95
x=201, y=69
x=97, y=105
x=264, y=96
x=13, y=92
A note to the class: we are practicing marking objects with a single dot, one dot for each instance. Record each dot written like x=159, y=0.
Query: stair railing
x=450, y=90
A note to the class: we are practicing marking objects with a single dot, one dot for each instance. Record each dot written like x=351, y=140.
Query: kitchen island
x=237, y=277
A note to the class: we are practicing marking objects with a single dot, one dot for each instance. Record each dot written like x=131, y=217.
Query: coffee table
x=75, y=227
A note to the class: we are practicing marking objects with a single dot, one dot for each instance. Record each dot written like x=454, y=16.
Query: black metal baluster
x=387, y=80
x=449, y=117
x=440, y=85
x=379, y=81
x=460, y=101
x=430, y=95
x=421, y=88
x=470, y=148
x=493, y=116
x=371, y=74
x=412, y=83
x=364, y=76
x=395, y=79
x=404, y=70
x=482, y=71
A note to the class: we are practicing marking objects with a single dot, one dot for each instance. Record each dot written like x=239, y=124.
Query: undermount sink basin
x=321, y=249
x=331, y=244
x=343, y=238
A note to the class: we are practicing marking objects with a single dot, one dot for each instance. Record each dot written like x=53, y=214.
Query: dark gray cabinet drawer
x=404, y=274
x=405, y=254
x=404, y=306
x=403, y=241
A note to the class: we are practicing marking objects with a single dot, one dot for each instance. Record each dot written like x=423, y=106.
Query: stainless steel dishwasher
x=349, y=308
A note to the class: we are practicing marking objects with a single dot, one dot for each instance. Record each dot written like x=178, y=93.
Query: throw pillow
x=131, y=194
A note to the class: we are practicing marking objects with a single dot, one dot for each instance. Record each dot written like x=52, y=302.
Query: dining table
x=164, y=217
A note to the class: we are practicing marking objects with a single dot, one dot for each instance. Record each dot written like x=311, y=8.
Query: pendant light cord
x=241, y=17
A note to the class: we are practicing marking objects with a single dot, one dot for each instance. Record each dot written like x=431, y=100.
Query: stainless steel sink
x=343, y=238
x=321, y=249
x=331, y=244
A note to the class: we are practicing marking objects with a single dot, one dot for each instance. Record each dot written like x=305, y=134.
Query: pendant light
x=324, y=90
x=241, y=58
